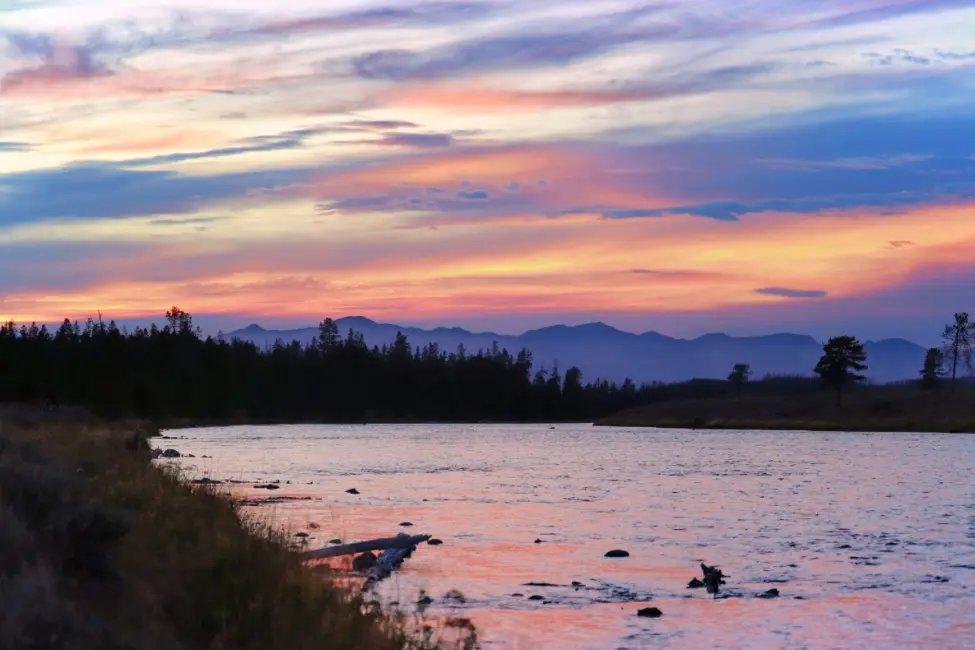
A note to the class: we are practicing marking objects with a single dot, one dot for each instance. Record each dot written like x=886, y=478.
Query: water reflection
x=875, y=533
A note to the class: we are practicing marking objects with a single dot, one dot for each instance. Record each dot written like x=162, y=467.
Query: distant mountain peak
x=597, y=326
x=603, y=352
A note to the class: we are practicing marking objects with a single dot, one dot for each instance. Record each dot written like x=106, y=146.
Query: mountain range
x=604, y=352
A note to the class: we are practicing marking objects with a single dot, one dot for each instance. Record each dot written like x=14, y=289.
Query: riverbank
x=101, y=548
x=172, y=424
x=868, y=409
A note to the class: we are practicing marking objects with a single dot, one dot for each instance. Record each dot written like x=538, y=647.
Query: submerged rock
x=406, y=524
x=206, y=481
x=538, y=541
x=267, y=486
x=352, y=491
x=536, y=597
x=435, y=542
x=364, y=561
x=771, y=593
x=695, y=584
x=577, y=584
x=335, y=541
x=650, y=612
x=171, y=453
x=617, y=552
x=455, y=596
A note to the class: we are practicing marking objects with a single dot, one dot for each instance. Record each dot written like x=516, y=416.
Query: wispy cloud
x=860, y=163
x=418, y=139
x=791, y=293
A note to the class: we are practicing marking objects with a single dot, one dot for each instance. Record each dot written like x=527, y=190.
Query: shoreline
x=824, y=426
x=164, y=545
x=177, y=424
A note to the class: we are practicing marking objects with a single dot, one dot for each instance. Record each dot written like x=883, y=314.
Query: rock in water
x=695, y=584
x=171, y=453
x=352, y=491
x=435, y=542
x=771, y=593
x=406, y=524
x=713, y=578
x=617, y=552
x=650, y=612
x=364, y=562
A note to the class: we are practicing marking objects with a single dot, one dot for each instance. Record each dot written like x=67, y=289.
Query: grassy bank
x=101, y=549
x=868, y=408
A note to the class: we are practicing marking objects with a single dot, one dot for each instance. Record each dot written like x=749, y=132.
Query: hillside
x=605, y=352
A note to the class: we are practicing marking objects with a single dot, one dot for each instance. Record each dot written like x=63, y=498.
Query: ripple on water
x=873, y=533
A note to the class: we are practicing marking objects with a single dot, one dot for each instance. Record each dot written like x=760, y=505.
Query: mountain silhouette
x=604, y=352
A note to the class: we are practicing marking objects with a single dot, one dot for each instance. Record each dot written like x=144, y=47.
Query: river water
x=869, y=538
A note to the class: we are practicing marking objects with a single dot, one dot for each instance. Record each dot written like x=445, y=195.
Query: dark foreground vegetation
x=101, y=550
x=173, y=373
x=803, y=404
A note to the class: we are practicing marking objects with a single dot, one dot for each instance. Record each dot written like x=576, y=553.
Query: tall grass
x=100, y=549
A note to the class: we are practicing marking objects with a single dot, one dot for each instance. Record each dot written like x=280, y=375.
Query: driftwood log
x=387, y=562
x=398, y=543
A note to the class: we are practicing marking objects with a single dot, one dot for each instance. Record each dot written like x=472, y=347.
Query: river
x=869, y=538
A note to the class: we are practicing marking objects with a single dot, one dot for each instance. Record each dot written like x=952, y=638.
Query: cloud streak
x=791, y=293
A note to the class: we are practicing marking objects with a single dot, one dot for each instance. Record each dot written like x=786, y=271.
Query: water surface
x=870, y=538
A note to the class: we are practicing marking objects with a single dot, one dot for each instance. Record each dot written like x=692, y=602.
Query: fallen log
x=386, y=562
x=401, y=541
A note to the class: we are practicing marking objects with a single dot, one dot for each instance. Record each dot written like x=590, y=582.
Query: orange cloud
x=169, y=140
x=541, y=266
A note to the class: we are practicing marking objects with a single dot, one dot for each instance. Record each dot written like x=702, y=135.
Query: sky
x=685, y=167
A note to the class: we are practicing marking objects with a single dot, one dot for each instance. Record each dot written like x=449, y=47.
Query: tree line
x=844, y=360
x=174, y=371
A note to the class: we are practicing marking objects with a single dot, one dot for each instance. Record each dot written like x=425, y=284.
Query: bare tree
x=959, y=339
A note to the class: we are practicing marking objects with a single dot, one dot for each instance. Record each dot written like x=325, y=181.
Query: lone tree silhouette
x=842, y=361
x=739, y=377
x=933, y=369
x=959, y=338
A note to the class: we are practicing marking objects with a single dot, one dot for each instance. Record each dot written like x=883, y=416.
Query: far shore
x=623, y=420
x=868, y=409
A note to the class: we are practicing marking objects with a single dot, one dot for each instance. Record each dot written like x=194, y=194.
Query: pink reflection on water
x=873, y=533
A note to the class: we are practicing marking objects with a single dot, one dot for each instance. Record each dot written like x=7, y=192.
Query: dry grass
x=100, y=549
x=872, y=408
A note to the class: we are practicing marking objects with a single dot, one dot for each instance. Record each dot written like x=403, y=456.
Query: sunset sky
x=693, y=166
